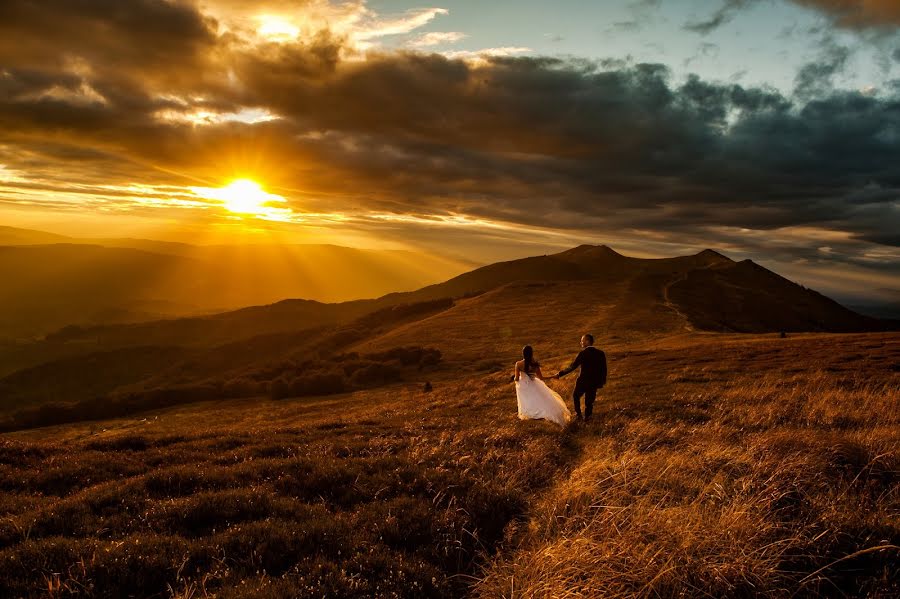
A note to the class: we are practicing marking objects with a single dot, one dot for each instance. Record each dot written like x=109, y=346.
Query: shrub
x=408, y=356
x=377, y=374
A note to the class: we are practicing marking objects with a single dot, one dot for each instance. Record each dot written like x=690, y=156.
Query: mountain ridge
x=477, y=321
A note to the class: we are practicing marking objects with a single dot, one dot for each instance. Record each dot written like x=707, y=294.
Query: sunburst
x=246, y=197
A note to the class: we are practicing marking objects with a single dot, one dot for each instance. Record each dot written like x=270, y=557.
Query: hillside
x=292, y=450
x=698, y=473
x=550, y=301
x=547, y=301
x=598, y=288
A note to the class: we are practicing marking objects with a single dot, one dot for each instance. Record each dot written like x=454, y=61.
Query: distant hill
x=16, y=236
x=550, y=300
x=58, y=281
x=883, y=303
x=478, y=320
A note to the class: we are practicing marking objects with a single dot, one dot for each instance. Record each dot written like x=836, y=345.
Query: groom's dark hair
x=589, y=337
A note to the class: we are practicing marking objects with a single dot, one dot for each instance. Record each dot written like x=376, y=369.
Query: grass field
x=720, y=466
x=727, y=467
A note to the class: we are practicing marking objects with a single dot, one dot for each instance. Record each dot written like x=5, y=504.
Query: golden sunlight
x=277, y=29
x=246, y=197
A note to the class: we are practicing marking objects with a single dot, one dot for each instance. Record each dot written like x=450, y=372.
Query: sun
x=246, y=197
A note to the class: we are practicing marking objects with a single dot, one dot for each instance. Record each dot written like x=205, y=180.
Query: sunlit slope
x=586, y=262
x=550, y=315
x=546, y=301
x=619, y=299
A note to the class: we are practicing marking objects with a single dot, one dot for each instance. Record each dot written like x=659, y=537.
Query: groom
x=592, y=376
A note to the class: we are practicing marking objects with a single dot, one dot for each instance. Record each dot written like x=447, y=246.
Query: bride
x=537, y=400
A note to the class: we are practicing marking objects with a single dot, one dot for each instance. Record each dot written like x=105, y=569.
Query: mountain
x=51, y=286
x=882, y=303
x=17, y=236
x=478, y=321
x=746, y=297
x=551, y=300
x=57, y=281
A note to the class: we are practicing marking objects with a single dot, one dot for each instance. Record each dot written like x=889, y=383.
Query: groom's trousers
x=590, y=394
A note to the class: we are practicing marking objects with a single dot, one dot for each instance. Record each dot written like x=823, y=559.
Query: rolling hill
x=478, y=321
x=551, y=300
x=57, y=281
x=311, y=461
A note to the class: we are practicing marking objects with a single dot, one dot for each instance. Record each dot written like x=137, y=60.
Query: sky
x=765, y=129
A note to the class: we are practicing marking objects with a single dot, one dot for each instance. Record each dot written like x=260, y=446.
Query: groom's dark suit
x=592, y=376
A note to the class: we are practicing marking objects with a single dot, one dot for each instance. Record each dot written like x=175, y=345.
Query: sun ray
x=246, y=197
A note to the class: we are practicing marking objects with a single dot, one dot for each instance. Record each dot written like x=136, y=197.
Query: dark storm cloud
x=570, y=144
x=159, y=33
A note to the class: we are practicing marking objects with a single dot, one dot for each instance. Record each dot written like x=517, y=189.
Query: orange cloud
x=859, y=13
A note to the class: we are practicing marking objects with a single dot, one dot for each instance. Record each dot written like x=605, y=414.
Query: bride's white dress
x=538, y=401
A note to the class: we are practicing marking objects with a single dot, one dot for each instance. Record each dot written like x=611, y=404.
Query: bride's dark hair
x=528, y=354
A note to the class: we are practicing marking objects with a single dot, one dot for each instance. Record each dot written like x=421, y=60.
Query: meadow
x=758, y=468
x=718, y=466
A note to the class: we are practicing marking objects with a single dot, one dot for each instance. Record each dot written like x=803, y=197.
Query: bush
x=375, y=374
x=408, y=356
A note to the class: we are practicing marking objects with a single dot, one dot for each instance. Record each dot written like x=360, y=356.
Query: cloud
x=722, y=16
x=480, y=55
x=390, y=140
x=436, y=38
x=406, y=23
x=642, y=13
x=705, y=50
x=858, y=14
x=146, y=37
x=815, y=79
x=850, y=14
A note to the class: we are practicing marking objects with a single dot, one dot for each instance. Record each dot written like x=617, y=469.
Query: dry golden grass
x=551, y=315
x=385, y=493
x=718, y=466
x=778, y=479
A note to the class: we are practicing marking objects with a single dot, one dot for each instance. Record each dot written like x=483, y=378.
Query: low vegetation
x=126, y=380
x=388, y=493
x=781, y=479
x=278, y=380
x=718, y=466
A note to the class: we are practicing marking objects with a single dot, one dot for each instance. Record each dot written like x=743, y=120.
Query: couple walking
x=537, y=400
